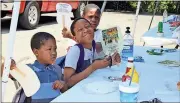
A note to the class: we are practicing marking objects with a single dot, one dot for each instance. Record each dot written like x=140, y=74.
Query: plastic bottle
x=135, y=77
x=165, y=15
x=129, y=66
x=128, y=43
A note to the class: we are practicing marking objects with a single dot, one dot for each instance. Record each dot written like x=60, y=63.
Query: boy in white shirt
x=93, y=14
x=84, y=34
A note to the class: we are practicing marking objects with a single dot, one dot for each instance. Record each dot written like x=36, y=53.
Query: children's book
x=112, y=40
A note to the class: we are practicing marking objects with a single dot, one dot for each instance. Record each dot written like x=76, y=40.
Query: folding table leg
x=144, y=44
x=177, y=46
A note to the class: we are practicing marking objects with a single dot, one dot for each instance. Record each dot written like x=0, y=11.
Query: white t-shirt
x=98, y=35
x=98, y=39
x=72, y=56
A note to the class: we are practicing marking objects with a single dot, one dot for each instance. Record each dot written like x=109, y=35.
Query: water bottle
x=128, y=43
x=165, y=15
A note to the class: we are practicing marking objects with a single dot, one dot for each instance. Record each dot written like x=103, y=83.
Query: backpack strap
x=20, y=97
x=61, y=61
x=81, y=56
x=16, y=83
x=94, y=47
x=80, y=62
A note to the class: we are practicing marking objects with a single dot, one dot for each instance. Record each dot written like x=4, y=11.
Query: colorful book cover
x=112, y=40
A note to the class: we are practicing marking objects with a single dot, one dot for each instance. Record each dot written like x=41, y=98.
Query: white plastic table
x=152, y=39
x=156, y=81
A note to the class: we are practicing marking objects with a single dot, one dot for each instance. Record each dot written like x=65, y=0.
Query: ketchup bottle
x=129, y=66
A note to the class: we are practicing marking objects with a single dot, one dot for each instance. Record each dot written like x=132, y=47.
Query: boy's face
x=93, y=16
x=46, y=54
x=84, y=32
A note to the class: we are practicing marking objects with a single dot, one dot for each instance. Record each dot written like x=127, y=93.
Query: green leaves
x=148, y=6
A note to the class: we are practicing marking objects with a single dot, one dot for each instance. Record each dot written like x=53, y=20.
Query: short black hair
x=74, y=22
x=39, y=38
x=91, y=6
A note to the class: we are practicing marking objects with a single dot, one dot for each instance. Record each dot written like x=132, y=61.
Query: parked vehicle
x=30, y=11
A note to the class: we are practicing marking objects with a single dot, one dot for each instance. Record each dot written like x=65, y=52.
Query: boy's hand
x=13, y=66
x=97, y=64
x=98, y=47
x=58, y=85
x=116, y=58
x=66, y=33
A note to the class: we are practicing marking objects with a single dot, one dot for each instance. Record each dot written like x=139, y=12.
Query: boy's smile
x=84, y=32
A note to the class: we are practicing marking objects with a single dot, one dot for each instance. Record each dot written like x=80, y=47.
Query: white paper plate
x=100, y=87
x=27, y=79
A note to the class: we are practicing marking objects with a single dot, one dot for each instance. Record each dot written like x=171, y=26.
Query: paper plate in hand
x=100, y=87
x=64, y=14
x=27, y=79
x=112, y=40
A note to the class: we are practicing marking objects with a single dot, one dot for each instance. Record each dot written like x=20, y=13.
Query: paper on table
x=170, y=63
x=100, y=87
x=46, y=91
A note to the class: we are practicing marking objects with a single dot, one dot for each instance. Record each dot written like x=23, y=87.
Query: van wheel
x=30, y=18
x=3, y=14
x=78, y=12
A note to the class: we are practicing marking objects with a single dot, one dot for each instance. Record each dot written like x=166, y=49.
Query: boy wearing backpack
x=44, y=47
x=74, y=70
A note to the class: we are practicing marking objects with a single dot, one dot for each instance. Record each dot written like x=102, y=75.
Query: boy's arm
x=98, y=47
x=65, y=88
x=116, y=59
x=99, y=54
x=72, y=78
x=67, y=34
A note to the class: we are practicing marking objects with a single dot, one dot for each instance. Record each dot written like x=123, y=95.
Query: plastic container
x=165, y=15
x=128, y=93
x=128, y=43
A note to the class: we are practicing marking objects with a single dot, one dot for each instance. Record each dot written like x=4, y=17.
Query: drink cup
x=128, y=93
